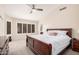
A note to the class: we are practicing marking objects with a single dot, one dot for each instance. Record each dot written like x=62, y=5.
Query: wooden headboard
x=69, y=33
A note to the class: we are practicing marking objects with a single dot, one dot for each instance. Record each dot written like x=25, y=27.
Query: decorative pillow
x=57, y=32
x=52, y=34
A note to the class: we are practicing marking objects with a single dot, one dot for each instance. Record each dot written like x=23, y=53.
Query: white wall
x=68, y=18
x=1, y=20
x=1, y=27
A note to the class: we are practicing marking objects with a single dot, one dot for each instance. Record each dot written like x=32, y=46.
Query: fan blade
x=62, y=8
x=39, y=9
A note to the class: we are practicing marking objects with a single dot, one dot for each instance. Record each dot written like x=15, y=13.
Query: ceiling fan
x=34, y=8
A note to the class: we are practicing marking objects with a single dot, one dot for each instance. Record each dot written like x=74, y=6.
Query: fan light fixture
x=61, y=9
x=35, y=9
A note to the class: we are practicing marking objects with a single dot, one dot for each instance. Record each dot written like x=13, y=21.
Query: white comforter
x=58, y=42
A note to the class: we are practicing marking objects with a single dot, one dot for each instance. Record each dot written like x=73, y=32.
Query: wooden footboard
x=38, y=47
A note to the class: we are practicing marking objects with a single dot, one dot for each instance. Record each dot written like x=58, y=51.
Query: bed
x=46, y=46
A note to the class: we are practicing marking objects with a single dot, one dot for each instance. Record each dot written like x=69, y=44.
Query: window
x=24, y=28
x=19, y=27
x=8, y=27
x=29, y=28
x=33, y=28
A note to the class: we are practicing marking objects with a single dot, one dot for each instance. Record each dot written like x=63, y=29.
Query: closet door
x=8, y=27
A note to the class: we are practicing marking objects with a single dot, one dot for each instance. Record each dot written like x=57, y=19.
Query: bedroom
x=19, y=20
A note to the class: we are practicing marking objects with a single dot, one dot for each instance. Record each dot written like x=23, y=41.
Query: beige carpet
x=70, y=52
x=19, y=48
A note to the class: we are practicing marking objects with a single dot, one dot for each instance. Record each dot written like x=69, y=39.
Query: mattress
x=58, y=42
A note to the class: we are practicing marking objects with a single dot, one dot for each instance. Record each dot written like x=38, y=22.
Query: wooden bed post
x=50, y=49
x=26, y=40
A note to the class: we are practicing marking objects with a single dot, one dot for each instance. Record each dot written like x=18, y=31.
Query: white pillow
x=62, y=33
x=59, y=32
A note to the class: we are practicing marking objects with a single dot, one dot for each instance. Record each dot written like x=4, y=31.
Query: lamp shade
x=41, y=27
x=78, y=30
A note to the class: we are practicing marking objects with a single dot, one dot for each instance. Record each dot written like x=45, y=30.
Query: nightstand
x=75, y=44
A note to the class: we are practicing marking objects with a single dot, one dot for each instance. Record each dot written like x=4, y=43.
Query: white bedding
x=58, y=42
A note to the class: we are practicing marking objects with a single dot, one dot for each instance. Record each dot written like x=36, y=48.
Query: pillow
x=62, y=33
x=57, y=32
x=52, y=34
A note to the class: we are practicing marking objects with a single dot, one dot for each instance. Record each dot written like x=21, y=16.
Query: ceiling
x=22, y=11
